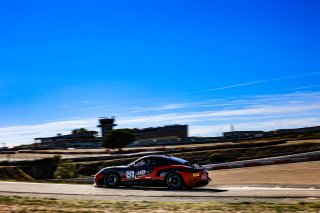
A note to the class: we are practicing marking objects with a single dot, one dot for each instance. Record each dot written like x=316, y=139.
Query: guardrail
x=157, y=149
x=303, y=157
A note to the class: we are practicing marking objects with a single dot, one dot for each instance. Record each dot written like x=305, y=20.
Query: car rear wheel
x=174, y=181
x=112, y=180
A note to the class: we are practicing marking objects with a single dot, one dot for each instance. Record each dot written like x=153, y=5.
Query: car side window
x=143, y=162
x=154, y=162
x=159, y=162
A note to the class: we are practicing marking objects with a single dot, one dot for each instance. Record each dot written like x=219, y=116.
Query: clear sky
x=209, y=64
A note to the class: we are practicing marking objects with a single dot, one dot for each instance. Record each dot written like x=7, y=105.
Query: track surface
x=154, y=194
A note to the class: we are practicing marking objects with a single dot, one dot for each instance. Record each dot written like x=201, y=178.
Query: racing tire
x=112, y=180
x=174, y=181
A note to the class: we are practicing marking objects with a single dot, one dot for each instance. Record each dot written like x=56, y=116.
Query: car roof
x=157, y=156
x=168, y=157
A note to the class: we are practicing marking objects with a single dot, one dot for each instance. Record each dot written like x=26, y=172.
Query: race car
x=154, y=170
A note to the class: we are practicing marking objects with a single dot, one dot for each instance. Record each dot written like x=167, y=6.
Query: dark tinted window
x=154, y=162
x=162, y=162
x=159, y=161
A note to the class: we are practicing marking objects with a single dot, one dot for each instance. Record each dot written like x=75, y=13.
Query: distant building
x=147, y=136
x=243, y=134
x=106, y=125
x=3, y=148
x=83, y=140
x=151, y=134
x=176, y=132
x=296, y=131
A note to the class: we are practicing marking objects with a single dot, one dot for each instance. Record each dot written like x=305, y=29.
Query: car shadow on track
x=166, y=189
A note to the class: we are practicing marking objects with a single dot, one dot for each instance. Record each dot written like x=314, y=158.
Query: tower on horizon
x=106, y=125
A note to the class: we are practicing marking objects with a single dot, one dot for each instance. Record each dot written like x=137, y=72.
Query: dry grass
x=235, y=154
x=300, y=174
x=13, y=173
x=50, y=205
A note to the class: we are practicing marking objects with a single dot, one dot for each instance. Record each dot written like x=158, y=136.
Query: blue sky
x=209, y=64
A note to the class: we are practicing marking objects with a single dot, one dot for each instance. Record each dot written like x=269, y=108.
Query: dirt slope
x=304, y=174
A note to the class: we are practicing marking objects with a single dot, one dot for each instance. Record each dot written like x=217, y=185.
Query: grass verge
x=28, y=204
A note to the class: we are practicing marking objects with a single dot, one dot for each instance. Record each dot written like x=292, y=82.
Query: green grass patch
x=66, y=170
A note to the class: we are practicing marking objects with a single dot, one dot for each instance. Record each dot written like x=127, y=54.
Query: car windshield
x=140, y=161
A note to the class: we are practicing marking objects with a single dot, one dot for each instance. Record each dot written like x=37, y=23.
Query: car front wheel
x=112, y=180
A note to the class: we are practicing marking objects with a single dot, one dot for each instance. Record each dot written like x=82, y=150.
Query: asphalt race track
x=82, y=191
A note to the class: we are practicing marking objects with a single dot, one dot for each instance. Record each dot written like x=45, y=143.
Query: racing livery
x=154, y=170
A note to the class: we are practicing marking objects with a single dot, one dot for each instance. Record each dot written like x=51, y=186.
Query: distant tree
x=118, y=138
x=66, y=170
x=79, y=131
x=84, y=130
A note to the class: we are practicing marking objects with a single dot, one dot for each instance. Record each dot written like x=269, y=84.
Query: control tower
x=106, y=125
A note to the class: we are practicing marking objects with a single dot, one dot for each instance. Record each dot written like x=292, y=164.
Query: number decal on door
x=130, y=174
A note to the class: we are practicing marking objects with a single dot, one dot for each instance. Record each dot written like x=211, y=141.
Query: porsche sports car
x=154, y=170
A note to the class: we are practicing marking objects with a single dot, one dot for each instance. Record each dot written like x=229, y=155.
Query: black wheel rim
x=112, y=179
x=174, y=181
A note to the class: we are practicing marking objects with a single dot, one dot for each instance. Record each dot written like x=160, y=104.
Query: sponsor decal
x=141, y=173
x=130, y=174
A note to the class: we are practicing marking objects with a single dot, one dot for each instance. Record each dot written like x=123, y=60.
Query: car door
x=143, y=169
x=136, y=172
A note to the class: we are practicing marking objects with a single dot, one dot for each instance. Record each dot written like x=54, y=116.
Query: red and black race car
x=154, y=170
